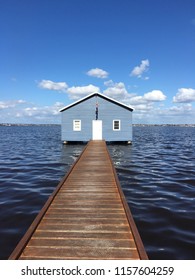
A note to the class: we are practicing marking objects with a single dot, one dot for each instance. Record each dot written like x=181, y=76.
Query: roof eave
x=98, y=94
x=78, y=101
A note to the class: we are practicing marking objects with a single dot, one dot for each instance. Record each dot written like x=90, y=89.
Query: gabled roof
x=100, y=95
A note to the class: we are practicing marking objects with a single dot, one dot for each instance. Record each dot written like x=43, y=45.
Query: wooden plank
x=54, y=219
x=89, y=215
x=61, y=227
x=86, y=217
x=82, y=235
x=71, y=242
x=88, y=253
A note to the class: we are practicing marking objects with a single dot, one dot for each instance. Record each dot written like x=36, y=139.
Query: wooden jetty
x=87, y=216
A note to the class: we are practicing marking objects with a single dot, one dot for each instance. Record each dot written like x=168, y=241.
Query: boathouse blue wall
x=107, y=112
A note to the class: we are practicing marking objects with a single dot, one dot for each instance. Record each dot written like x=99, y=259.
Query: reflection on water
x=157, y=174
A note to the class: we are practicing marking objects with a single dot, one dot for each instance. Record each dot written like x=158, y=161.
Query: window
x=116, y=125
x=77, y=125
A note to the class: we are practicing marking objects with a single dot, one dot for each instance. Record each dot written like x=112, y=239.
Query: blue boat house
x=96, y=117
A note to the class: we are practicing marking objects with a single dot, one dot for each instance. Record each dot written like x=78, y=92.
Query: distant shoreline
x=181, y=125
x=142, y=125
x=27, y=124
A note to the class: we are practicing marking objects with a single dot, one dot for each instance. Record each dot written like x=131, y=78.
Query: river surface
x=157, y=174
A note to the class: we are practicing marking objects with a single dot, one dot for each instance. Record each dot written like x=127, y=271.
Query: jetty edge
x=86, y=217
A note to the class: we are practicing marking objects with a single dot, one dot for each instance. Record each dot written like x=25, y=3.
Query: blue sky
x=140, y=52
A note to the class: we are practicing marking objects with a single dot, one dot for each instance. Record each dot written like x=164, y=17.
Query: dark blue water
x=157, y=174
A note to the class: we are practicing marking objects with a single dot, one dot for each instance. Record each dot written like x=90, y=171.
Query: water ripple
x=32, y=162
x=157, y=174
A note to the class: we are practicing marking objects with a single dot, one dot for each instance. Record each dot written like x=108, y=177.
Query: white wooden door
x=97, y=130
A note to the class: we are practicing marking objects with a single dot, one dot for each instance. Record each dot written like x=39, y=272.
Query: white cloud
x=80, y=91
x=143, y=107
x=139, y=70
x=181, y=109
x=109, y=83
x=149, y=97
x=50, y=85
x=11, y=103
x=20, y=111
x=136, y=100
x=149, y=113
x=74, y=92
x=31, y=111
x=141, y=103
x=147, y=108
x=115, y=90
x=154, y=96
x=184, y=95
x=41, y=112
x=98, y=73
